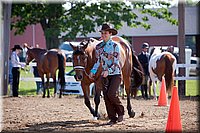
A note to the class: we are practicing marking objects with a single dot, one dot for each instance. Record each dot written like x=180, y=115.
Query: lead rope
x=86, y=73
x=138, y=70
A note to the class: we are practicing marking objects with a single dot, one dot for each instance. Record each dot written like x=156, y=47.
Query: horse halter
x=28, y=58
x=80, y=67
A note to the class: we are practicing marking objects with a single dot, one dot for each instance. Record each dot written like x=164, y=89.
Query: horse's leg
x=97, y=100
x=149, y=87
x=85, y=89
x=122, y=90
x=127, y=83
x=61, y=89
x=154, y=89
x=47, y=83
x=153, y=79
x=54, y=84
x=55, y=87
x=44, y=87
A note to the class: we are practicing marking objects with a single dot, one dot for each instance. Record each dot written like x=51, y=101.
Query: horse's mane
x=39, y=50
x=121, y=39
x=154, y=51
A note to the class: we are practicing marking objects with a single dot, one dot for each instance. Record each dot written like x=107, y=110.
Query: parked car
x=74, y=87
x=195, y=71
x=67, y=49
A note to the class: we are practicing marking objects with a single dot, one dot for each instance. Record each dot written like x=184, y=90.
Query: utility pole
x=181, y=45
x=6, y=44
x=198, y=35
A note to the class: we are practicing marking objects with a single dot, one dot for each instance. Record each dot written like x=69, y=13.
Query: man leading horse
x=108, y=54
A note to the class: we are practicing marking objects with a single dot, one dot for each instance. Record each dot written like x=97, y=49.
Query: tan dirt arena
x=69, y=114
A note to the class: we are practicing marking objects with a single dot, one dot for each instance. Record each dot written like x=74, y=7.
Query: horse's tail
x=137, y=72
x=169, y=76
x=61, y=68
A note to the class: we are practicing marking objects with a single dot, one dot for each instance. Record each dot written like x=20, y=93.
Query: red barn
x=33, y=35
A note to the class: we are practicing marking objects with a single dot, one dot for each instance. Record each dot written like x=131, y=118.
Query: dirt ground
x=69, y=114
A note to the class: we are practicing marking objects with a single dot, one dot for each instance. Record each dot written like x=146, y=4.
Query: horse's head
x=29, y=56
x=154, y=51
x=80, y=58
x=34, y=53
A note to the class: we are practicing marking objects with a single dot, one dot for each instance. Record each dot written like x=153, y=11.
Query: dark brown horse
x=48, y=61
x=162, y=64
x=84, y=57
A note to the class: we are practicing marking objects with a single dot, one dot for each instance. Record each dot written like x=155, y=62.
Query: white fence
x=186, y=66
x=38, y=78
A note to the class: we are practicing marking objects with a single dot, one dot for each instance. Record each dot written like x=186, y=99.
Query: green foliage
x=83, y=17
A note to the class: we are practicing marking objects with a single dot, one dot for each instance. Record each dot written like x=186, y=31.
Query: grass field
x=29, y=88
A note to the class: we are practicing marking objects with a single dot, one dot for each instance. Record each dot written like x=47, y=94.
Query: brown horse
x=84, y=57
x=162, y=64
x=48, y=61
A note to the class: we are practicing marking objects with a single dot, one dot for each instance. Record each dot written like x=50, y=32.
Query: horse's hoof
x=132, y=114
x=48, y=96
x=155, y=98
x=43, y=96
x=95, y=118
x=98, y=116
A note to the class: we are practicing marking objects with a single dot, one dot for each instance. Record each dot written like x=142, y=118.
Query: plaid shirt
x=108, y=54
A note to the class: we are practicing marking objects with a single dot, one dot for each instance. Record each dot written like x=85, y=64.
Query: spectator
x=144, y=60
x=171, y=50
x=36, y=75
x=22, y=55
x=37, y=46
x=16, y=68
x=38, y=83
x=111, y=76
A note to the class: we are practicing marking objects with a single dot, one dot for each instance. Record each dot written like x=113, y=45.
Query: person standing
x=171, y=50
x=36, y=75
x=144, y=60
x=16, y=65
x=108, y=55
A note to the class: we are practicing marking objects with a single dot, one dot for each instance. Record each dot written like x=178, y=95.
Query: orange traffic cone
x=162, y=101
x=174, y=118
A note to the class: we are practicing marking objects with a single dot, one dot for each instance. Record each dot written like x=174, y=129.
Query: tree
x=48, y=15
x=81, y=18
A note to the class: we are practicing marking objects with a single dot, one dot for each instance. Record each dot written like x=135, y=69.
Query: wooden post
x=198, y=35
x=181, y=45
x=1, y=55
x=6, y=44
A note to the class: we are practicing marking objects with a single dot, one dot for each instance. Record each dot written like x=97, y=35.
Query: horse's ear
x=91, y=40
x=85, y=45
x=73, y=47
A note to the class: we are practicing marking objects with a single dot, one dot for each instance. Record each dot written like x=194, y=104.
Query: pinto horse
x=48, y=61
x=162, y=64
x=84, y=57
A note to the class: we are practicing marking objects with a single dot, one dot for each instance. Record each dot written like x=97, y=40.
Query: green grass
x=29, y=87
x=192, y=88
